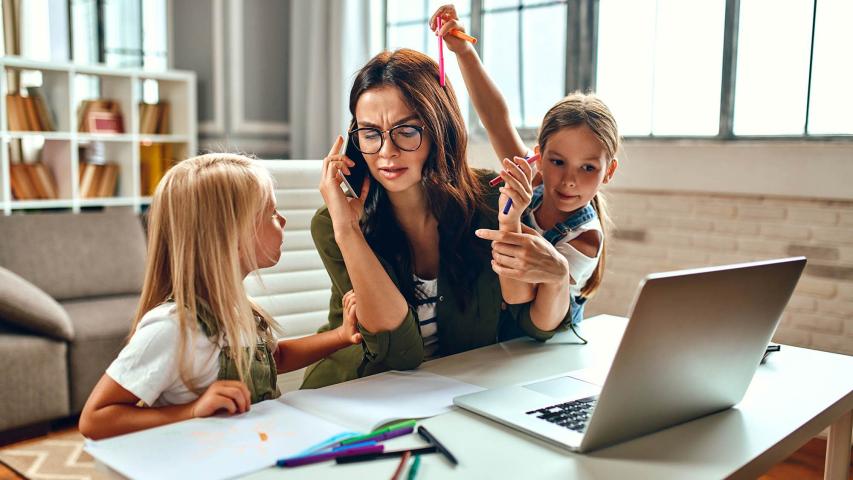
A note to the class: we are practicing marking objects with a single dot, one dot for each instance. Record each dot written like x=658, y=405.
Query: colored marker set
x=352, y=448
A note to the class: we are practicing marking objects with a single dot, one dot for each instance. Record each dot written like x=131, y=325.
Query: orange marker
x=463, y=36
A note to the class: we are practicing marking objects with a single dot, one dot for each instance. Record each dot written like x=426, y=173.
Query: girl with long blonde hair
x=199, y=345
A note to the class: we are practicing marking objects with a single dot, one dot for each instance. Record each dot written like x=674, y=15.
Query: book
x=32, y=115
x=15, y=115
x=90, y=175
x=39, y=189
x=45, y=116
x=99, y=116
x=45, y=180
x=151, y=167
x=225, y=447
x=22, y=188
x=108, y=181
x=163, y=123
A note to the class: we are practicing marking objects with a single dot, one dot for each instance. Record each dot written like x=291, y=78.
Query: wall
x=239, y=51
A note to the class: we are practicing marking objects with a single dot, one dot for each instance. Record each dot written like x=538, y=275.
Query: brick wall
x=660, y=231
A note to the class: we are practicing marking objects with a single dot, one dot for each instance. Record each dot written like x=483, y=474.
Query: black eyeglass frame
x=353, y=135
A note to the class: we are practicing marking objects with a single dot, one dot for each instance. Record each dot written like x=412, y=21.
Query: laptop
x=691, y=347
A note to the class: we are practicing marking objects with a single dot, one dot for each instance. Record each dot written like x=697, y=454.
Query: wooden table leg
x=837, y=466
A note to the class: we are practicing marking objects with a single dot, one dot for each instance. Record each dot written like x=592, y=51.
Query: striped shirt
x=427, y=294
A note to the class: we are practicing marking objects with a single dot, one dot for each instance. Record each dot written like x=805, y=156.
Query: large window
x=407, y=27
x=667, y=68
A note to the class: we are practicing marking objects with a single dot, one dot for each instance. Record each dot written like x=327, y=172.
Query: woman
x=404, y=257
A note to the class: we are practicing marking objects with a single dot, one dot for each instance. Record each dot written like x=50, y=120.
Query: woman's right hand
x=229, y=395
x=450, y=22
x=345, y=211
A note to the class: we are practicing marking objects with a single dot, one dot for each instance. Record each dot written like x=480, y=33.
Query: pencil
x=463, y=36
x=440, y=56
x=401, y=466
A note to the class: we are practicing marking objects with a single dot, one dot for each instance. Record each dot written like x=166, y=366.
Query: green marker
x=379, y=432
x=413, y=470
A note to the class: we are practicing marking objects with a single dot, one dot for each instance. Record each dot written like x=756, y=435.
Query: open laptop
x=691, y=347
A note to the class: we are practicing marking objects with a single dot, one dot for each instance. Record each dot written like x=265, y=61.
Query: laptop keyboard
x=573, y=415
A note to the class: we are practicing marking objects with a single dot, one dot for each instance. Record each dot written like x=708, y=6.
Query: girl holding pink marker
x=562, y=246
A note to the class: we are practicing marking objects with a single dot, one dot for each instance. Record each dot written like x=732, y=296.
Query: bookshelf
x=60, y=148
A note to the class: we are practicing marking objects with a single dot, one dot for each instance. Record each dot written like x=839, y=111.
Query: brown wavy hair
x=452, y=189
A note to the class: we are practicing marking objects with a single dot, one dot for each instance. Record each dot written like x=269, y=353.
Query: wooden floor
x=805, y=464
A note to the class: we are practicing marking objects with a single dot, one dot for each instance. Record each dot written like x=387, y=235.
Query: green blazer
x=484, y=321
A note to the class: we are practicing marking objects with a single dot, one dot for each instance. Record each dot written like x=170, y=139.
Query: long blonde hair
x=201, y=230
x=586, y=109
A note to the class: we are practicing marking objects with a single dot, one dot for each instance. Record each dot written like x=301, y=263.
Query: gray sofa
x=69, y=285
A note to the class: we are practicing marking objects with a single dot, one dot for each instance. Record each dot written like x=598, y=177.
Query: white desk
x=792, y=398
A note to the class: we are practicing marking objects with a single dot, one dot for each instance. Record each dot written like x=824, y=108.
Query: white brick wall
x=659, y=231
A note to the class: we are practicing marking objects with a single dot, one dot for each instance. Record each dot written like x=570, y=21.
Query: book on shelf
x=150, y=167
x=32, y=181
x=98, y=180
x=154, y=118
x=45, y=116
x=100, y=116
x=28, y=113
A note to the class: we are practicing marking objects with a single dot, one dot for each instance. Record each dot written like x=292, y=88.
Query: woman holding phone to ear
x=403, y=257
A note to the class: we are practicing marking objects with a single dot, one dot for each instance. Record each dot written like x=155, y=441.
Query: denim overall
x=262, y=379
x=559, y=231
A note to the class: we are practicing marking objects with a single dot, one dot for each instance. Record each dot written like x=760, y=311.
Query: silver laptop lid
x=691, y=347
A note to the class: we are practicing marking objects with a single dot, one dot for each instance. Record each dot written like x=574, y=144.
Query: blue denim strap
x=559, y=231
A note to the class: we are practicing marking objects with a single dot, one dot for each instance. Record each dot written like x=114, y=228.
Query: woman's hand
x=450, y=22
x=230, y=395
x=345, y=212
x=526, y=257
x=348, y=331
x=518, y=177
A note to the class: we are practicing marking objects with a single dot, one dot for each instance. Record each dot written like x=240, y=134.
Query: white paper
x=369, y=402
x=214, y=447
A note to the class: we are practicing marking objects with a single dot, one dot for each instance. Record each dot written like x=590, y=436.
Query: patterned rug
x=59, y=456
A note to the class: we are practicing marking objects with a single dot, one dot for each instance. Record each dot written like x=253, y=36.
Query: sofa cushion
x=75, y=255
x=27, y=306
x=101, y=326
x=34, y=383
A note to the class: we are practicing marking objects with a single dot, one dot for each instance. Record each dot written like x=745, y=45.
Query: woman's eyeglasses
x=369, y=140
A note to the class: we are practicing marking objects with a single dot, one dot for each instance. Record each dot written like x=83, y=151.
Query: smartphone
x=351, y=184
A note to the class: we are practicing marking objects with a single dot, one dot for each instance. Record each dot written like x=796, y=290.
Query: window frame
x=582, y=58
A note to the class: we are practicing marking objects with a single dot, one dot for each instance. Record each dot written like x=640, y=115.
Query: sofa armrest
x=28, y=307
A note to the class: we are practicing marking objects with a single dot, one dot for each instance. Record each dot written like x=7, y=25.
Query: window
x=407, y=27
x=524, y=50
x=659, y=64
x=667, y=68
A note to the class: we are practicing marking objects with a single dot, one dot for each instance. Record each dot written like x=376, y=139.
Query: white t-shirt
x=148, y=365
x=580, y=266
x=427, y=317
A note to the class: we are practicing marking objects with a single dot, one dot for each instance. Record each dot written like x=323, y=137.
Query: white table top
x=792, y=398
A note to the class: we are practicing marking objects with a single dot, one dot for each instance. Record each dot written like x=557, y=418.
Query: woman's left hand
x=526, y=256
x=348, y=331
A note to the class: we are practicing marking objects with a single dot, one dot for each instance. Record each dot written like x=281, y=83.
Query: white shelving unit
x=123, y=85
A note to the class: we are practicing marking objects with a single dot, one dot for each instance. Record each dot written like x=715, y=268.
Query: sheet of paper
x=214, y=447
x=369, y=402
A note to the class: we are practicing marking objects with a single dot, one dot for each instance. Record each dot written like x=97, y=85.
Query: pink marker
x=440, y=55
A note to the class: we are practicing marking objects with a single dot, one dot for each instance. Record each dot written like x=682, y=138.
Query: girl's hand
x=526, y=257
x=345, y=212
x=230, y=395
x=348, y=331
x=450, y=22
x=518, y=177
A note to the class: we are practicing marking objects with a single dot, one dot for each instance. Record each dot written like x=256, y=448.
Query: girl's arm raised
x=487, y=99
